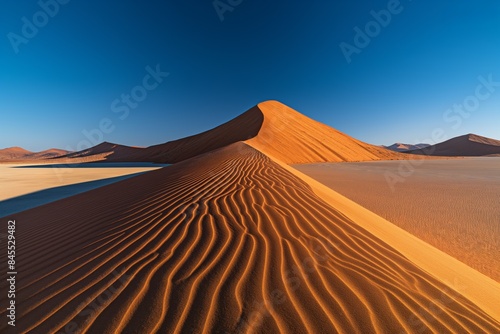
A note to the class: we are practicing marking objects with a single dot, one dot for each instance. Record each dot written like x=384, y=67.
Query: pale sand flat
x=453, y=205
x=19, y=180
x=28, y=178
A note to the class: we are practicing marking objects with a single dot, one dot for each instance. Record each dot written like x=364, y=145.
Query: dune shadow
x=24, y=202
x=98, y=165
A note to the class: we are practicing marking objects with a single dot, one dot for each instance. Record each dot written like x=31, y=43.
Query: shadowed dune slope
x=225, y=242
x=245, y=126
x=271, y=127
x=47, y=154
x=467, y=145
x=103, y=150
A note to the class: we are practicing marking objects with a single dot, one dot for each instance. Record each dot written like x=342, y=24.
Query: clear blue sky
x=64, y=78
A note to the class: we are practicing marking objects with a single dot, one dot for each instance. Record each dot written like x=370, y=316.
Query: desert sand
x=451, y=204
x=235, y=240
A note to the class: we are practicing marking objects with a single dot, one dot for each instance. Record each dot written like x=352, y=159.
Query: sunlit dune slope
x=228, y=241
x=291, y=137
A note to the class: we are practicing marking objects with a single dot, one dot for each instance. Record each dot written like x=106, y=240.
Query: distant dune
x=467, y=145
x=18, y=153
x=271, y=127
x=400, y=147
x=225, y=242
x=103, y=150
x=12, y=153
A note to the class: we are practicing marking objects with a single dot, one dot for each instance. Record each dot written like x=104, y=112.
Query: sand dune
x=103, y=150
x=467, y=145
x=271, y=127
x=12, y=153
x=229, y=241
x=18, y=153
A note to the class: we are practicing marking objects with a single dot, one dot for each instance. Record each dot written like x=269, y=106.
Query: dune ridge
x=228, y=241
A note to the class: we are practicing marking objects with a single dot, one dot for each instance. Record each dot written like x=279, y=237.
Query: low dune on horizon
x=469, y=145
x=19, y=154
x=401, y=147
x=232, y=239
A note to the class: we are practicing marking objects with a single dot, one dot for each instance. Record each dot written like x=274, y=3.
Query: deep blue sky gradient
x=65, y=78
